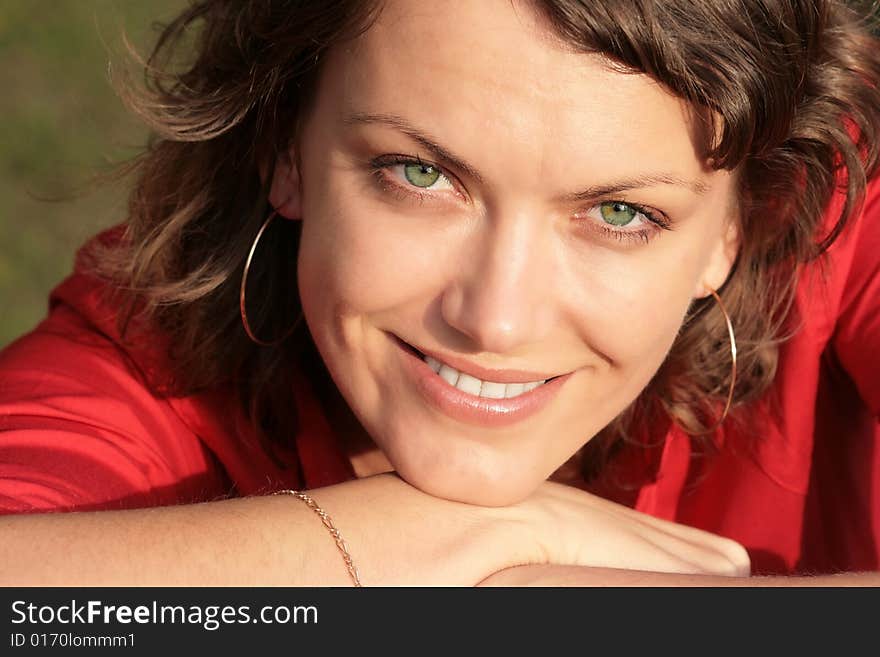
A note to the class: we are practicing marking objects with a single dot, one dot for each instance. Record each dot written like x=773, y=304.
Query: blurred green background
x=60, y=124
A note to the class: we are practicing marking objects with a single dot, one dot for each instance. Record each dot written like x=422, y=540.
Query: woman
x=555, y=260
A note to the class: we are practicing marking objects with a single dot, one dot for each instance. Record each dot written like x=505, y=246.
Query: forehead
x=491, y=71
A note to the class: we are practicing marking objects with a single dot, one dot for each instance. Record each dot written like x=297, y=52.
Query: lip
x=485, y=373
x=471, y=409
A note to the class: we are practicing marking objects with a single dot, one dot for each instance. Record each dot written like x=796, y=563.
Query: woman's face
x=472, y=189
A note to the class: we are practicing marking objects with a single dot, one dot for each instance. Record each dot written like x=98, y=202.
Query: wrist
x=400, y=535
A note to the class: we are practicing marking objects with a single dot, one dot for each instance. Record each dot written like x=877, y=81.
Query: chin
x=470, y=484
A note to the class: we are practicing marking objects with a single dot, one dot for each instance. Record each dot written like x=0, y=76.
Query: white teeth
x=467, y=383
x=448, y=374
x=493, y=390
x=514, y=389
x=434, y=364
x=474, y=386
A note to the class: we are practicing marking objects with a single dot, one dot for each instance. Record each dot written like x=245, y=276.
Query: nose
x=501, y=298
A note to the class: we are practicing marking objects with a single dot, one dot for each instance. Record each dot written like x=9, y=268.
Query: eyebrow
x=649, y=180
x=416, y=135
x=597, y=191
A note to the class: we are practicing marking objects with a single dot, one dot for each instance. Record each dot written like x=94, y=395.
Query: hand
x=570, y=527
x=568, y=576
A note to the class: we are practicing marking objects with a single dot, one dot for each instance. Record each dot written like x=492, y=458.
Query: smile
x=474, y=400
x=478, y=387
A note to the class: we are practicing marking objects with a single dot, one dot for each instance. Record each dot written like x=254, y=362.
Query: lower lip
x=472, y=409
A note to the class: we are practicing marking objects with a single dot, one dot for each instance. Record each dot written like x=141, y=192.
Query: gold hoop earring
x=242, y=294
x=732, y=338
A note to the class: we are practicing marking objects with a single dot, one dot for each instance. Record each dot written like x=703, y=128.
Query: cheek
x=629, y=307
x=359, y=259
x=645, y=328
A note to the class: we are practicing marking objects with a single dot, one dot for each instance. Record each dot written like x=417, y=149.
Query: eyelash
x=381, y=164
x=379, y=168
x=656, y=223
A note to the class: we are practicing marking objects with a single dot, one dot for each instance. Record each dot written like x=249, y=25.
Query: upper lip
x=485, y=373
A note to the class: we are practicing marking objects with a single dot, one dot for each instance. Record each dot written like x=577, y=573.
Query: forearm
x=396, y=536
x=553, y=575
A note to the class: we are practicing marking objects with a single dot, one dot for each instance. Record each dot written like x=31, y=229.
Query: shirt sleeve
x=80, y=431
x=856, y=338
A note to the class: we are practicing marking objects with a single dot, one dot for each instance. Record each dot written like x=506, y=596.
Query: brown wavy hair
x=790, y=88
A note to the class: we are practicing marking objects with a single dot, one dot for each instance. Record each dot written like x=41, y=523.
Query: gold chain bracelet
x=340, y=543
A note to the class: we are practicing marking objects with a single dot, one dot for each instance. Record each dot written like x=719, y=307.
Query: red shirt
x=79, y=429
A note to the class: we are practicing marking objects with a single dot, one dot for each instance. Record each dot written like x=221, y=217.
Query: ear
x=721, y=261
x=285, y=193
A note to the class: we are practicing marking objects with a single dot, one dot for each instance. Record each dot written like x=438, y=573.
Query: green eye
x=616, y=213
x=421, y=175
